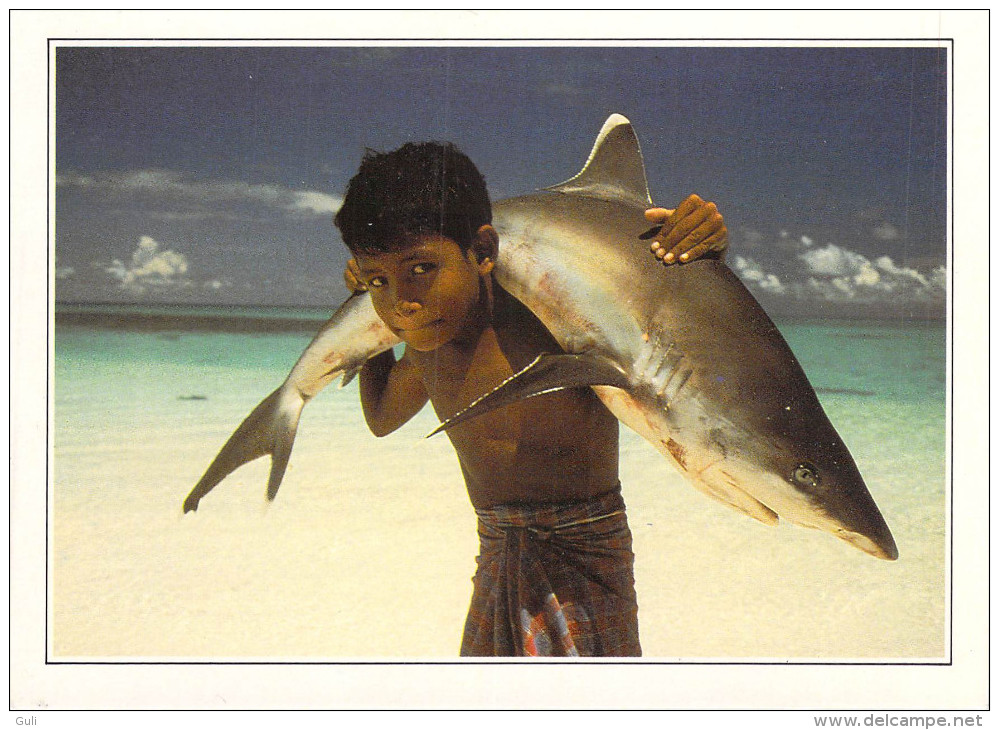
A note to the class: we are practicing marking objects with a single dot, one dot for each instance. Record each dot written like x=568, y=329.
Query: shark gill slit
x=667, y=368
x=677, y=379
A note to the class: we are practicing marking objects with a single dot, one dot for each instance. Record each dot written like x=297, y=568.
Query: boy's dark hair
x=420, y=188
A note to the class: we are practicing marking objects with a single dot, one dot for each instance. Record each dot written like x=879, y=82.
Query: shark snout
x=849, y=513
x=884, y=548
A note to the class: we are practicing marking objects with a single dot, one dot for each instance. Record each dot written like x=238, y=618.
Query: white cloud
x=888, y=266
x=151, y=268
x=938, y=278
x=180, y=197
x=831, y=260
x=831, y=273
x=836, y=273
x=751, y=272
x=866, y=275
x=74, y=179
x=170, y=183
x=63, y=272
x=886, y=232
x=311, y=201
x=751, y=237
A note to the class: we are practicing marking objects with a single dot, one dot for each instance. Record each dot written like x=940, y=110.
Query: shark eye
x=805, y=475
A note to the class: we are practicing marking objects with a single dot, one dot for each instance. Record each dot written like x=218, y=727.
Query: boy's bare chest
x=557, y=446
x=458, y=373
x=455, y=376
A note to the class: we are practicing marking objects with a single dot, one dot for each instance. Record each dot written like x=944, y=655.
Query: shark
x=684, y=355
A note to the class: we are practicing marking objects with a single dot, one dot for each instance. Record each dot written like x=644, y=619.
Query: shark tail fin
x=615, y=169
x=269, y=429
x=545, y=374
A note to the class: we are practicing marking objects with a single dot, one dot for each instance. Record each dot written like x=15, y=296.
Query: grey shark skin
x=683, y=355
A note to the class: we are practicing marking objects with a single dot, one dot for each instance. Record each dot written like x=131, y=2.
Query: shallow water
x=369, y=548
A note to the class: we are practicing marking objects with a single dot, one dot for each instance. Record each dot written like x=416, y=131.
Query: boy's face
x=426, y=291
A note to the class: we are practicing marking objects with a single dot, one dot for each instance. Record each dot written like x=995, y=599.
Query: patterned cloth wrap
x=554, y=580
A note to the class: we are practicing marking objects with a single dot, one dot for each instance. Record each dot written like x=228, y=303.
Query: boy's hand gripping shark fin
x=545, y=374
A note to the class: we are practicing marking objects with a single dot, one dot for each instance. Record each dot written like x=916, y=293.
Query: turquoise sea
x=368, y=550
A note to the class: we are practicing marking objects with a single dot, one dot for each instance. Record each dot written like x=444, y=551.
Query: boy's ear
x=485, y=246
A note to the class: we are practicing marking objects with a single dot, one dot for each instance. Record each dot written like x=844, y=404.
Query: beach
x=368, y=550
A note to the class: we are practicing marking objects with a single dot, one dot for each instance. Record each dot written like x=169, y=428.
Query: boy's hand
x=688, y=232
x=352, y=277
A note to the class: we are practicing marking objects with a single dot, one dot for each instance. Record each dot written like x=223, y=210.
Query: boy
x=555, y=569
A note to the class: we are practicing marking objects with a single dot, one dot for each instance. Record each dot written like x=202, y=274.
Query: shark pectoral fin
x=546, y=374
x=349, y=375
x=269, y=429
x=739, y=500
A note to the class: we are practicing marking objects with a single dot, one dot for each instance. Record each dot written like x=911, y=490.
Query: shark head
x=810, y=480
x=771, y=453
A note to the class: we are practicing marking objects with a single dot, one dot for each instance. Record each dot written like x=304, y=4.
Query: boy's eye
x=423, y=268
x=376, y=281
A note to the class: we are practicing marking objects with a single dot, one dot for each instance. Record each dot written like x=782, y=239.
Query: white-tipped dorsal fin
x=615, y=169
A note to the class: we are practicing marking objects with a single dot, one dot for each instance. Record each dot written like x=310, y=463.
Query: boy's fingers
x=352, y=276
x=658, y=215
x=689, y=231
x=716, y=241
x=669, y=217
x=685, y=226
x=684, y=249
x=694, y=253
x=690, y=204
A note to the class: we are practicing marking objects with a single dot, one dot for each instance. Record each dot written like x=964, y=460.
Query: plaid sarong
x=554, y=580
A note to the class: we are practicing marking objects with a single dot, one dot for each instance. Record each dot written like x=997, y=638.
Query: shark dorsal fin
x=615, y=169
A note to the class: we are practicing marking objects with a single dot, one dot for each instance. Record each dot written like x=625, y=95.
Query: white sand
x=369, y=549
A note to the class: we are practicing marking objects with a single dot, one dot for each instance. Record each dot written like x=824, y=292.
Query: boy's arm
x=695, y=228
x=392, y=392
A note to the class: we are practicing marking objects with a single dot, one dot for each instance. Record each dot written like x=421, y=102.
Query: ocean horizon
x=212, y=315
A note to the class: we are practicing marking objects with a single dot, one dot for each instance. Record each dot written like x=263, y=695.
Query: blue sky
x=211, y=174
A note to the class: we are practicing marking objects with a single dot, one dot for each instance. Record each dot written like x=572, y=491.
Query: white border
x=35, y=684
